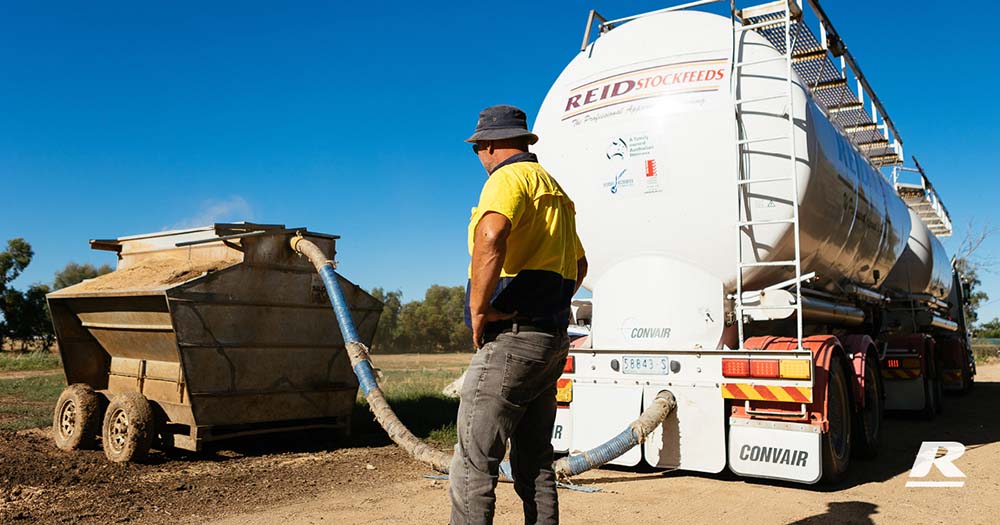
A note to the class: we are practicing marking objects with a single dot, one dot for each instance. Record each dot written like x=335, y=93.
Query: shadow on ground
x=962, y=421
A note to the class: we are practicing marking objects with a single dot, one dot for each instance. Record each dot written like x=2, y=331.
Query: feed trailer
x=200, y=335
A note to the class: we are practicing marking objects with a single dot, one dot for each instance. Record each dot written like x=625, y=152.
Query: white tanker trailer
x=770, y=297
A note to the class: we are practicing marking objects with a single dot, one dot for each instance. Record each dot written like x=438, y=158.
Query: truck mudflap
x=562, y=431
x=775, y=450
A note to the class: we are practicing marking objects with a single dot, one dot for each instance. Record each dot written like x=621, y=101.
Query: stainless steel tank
x=924, y=267
x=641, y=132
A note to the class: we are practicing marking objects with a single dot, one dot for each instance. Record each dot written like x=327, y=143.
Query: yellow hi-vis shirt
x=538, y=276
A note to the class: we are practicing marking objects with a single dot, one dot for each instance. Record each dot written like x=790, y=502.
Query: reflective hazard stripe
x=900, y=373
x=791, y=394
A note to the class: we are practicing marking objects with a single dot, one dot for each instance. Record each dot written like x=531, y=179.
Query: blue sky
x=346, y=117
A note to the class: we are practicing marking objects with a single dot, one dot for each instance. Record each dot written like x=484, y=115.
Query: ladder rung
x=760, y=99
x=769, y=9
x=845, y=107
x=861, y=127
x=892, y=157
x=812, y=55
x=762, y=25
x=755, y=181
x=837, y=82
x=767, y=263
x=874, y=144
x=767, y=139
x=760, y=61
x=742, y=307
x=768, y=221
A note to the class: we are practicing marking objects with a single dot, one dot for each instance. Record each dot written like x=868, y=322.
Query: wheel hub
x=119, y=430
x=67, y=419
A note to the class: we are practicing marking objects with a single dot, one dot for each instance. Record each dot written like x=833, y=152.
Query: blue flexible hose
x=364, y=370
x=565, y=468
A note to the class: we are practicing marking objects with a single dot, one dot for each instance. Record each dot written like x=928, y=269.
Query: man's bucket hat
x=502, y=122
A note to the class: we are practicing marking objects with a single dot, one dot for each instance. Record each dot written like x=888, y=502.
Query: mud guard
x=788, y=424
x=857, y=347
x=823, y=348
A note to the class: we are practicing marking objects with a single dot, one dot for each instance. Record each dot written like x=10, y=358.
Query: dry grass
x=38, y=360
x=985, y=352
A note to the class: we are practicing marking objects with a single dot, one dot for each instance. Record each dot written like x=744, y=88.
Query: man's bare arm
x=581, y=272
x=488, y=253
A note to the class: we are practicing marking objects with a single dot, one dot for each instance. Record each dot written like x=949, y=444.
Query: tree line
x=24, y=315
x=434, y=324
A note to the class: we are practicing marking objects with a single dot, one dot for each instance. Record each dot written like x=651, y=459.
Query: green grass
x=18, y=362
x=412, y=385
x=28, y=402
x=986, y=353
x=415, y=395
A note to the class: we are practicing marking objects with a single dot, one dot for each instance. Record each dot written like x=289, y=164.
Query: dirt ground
x=302, y=479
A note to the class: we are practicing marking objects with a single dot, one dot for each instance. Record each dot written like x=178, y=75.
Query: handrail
x=590, y=24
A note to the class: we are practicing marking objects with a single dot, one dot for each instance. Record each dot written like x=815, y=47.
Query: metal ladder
x=791, y=10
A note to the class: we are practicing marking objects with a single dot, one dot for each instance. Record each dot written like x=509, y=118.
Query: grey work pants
x=509, y=393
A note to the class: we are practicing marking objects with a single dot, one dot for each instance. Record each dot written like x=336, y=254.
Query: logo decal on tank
x=648, y=82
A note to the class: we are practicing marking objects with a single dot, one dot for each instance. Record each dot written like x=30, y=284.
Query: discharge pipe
x=569, y=466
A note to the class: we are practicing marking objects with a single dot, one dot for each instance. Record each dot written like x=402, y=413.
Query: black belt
x=526, y=325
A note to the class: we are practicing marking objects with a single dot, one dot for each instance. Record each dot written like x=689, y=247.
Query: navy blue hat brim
x=502, y=134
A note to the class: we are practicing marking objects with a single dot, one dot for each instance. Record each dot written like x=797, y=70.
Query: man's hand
x=480, y=321
x=488, y=252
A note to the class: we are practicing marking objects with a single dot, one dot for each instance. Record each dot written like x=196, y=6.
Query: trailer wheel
x=931, y=398
x=968, y=379
x=128, y=428
x=868, y=423
x=77, y=417
x=837, y=440
x=939, y=392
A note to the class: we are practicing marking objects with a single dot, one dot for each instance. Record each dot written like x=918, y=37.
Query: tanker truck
x=758, y=245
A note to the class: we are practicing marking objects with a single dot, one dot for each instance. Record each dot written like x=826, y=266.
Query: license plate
x=632, y=364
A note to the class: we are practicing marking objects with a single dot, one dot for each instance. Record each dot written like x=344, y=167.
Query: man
x=527, y=262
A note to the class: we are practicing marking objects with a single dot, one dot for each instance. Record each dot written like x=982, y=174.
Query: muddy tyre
x=836, y=443
x=77, y=417
x=128, y=428
x=868, y=420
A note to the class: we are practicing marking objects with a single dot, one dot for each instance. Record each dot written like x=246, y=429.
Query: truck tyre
x=931, y=399
x=939, y=392
x=836, y=442
x=77, y=417
x=868, y=420
x=967, y=378
x=128, y=428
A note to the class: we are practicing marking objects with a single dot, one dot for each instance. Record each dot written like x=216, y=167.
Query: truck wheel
x=868, y=420
x=128, y=428
x=939, y=393
x=967, y=378
x=77, y=417
x=931, y=399
x=837, y=441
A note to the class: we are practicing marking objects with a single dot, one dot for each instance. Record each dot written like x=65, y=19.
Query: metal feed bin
x=200, y=335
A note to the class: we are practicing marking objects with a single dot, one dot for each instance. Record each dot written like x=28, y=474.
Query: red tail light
x=735, y=367
x=570, y=365
x=892, y=363
x=766, y=368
